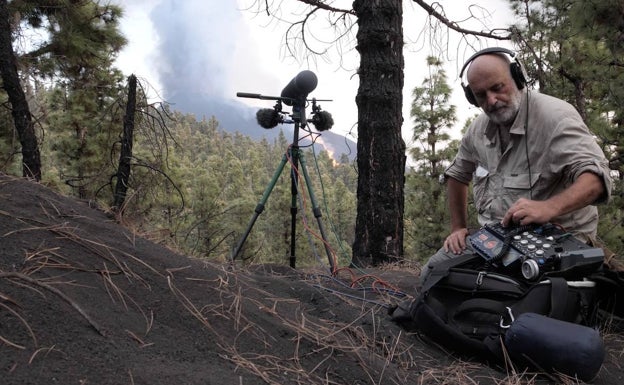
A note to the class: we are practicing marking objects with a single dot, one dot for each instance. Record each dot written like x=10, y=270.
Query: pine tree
x=426, y=212
x=77, y=44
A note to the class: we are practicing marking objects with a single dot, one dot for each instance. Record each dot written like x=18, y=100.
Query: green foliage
x=82, y=125
x=426, y=216
x=67, y=72
x=214, y=181
x=432, y=116
x=74, y=36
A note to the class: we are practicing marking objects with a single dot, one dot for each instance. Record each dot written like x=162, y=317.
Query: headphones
x=518, y=73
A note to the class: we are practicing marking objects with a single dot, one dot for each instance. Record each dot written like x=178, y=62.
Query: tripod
x=297, y=159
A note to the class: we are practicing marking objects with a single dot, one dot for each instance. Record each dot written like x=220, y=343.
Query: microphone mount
x=278, y=98
x=322, y=120
x=298, y=110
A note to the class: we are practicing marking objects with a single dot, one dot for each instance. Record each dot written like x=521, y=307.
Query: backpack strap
x=441, y=270
x=483, y=305
x=558, y=297
x=558, y=302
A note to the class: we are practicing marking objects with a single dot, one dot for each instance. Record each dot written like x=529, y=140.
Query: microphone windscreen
x=323, y=120
x=267, y=117
x=299, y=87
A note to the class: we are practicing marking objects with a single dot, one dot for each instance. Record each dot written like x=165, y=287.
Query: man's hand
x=587, y=188
x=525, y=211
x=456, y=241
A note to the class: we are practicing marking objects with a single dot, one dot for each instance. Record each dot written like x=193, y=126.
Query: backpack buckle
x=502, y=320
x=478, y=282
x=480, y=278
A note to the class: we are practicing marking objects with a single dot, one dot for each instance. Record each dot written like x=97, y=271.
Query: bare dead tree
x=125, y=155
x=147, y=124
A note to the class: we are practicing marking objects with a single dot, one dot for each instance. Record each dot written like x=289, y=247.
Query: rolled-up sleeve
x=577, y=152
x=465, y=163
x=460, y=170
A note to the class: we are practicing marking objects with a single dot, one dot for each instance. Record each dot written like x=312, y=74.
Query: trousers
x=441, y=256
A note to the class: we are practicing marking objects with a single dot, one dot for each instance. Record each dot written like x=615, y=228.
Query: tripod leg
x=294, y=188
x=317, y=212
x=259, y=208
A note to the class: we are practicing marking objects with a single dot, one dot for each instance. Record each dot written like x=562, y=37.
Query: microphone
x=267, y=117
x=299, y=87
x=323, y=120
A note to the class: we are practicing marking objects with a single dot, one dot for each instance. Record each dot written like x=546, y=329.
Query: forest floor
x=84, y=300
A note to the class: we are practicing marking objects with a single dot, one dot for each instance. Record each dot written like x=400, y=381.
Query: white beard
x=504, y=115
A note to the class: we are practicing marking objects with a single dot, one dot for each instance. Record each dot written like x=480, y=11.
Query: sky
x=197, y=54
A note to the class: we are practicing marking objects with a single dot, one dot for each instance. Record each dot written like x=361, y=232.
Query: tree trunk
x=381, y=149
x=31, y=160
x=123, y=170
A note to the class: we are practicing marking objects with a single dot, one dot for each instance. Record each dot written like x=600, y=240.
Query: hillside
x=85, y=301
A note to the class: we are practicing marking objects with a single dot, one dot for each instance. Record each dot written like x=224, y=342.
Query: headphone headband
x=485, y=52
x=515, y=67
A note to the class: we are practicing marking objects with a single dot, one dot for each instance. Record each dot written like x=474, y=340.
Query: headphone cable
x=526, y=145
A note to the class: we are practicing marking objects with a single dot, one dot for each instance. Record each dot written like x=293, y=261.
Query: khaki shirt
x=545, y=155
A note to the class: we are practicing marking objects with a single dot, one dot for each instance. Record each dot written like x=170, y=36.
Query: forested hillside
x=194, y=187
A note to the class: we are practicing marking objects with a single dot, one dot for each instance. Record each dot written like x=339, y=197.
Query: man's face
x=494, y=89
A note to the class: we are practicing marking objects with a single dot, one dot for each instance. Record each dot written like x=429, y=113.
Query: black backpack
x=471, y=311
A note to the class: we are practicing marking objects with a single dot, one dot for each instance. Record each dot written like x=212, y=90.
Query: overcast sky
x=217, y=48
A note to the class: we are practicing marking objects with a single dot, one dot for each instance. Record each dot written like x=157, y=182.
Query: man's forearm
x=457, y=193
x=586, y=190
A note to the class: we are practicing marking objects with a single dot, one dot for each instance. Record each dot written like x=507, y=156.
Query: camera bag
x=468, y=310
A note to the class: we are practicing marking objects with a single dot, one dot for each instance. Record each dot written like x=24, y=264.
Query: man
x=530, y=157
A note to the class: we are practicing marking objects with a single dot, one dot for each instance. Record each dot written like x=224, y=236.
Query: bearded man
x=530, y=157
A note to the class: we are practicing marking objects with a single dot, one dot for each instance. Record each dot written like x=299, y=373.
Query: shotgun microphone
x=299, y=87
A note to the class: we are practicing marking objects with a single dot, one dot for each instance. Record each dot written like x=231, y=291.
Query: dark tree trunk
x=380, y=147
x=123, y=170
x=31, y=160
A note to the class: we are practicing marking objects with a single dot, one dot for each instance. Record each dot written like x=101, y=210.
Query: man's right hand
x=456, y=241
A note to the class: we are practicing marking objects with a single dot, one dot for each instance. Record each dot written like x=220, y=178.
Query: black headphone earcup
x=518, y=75
x=469, y=95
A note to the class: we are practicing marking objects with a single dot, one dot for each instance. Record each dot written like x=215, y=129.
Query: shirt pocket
x=517, y=186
